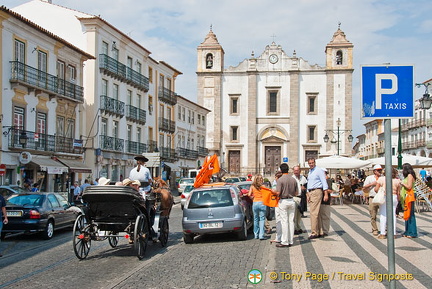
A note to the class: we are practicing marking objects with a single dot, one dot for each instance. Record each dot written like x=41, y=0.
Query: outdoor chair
x=336, y=195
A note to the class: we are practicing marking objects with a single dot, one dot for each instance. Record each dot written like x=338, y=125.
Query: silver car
x=183, y=183
x=214, y=209
x=185, y=195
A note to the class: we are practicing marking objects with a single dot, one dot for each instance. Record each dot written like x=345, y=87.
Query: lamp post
x=338, y=133
x=425, y=103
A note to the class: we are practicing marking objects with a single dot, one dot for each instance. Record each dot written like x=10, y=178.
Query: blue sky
x=390, y=31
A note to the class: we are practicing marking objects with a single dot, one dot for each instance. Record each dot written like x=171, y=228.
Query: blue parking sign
x=387, y=91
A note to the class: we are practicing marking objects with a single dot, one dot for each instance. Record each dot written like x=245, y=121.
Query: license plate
x=14, y=213
x=211, y=225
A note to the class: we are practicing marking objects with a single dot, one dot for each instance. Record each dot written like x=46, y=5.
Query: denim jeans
x=259, y=211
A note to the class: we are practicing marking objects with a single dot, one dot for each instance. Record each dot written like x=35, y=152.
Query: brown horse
x=167, y=200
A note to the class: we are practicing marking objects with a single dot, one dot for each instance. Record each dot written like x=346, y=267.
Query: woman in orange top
x=408, y=200
x=258, y=207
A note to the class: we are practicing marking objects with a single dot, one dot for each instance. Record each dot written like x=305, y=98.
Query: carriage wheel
x=81, y=237
x=141, y=233
x=163, y=231
x=113, y=240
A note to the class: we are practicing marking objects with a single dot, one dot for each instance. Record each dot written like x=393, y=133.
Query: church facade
x=275, y=107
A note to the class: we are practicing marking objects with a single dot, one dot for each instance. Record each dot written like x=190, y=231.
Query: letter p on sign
x=380, y=90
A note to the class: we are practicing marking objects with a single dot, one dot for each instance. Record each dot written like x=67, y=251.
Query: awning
x=49, y=165
x=75, y=166
x=173, y=167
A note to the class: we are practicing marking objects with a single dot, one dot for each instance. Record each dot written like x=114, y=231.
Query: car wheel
x=242, y=234
x=188, y=238
x=49, y=230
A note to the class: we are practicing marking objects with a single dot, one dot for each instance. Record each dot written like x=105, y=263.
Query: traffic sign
x=285, y=160
x=2, y=169
x=387, y=91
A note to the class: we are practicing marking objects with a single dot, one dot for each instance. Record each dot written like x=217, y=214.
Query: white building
x=190, y=135
x=42, y=104
x=129, y=96
x=275, y=107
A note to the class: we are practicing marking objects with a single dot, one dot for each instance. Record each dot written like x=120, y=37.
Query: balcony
x=37, y=79
x=151, y=146
x=202, y=151
x=187, y=153
x=166, y=125
x=134, y=147
x=168, y=154
x=118, y=70
x=136, y=114
x=167, y=96
x=112, y=106
x=42, y=142
x=413, y=144
x=111, y=143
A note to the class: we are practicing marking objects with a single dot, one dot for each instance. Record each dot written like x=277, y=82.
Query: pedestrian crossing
x=351, y=257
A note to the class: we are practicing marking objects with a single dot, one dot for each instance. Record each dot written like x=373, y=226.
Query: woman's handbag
x=379, y=197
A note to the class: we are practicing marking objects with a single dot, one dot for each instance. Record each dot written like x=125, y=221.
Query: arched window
x=209, y=60
x=339, y=57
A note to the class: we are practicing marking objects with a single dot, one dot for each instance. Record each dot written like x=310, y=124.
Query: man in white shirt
x=369, y=185
x=142, y=174
x=301, y=182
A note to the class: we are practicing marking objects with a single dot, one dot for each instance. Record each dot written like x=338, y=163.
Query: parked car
x=214, y=209
x=242, y=179
x=246, y=201
x=6, y=191
x=232, y=180
x=185, y=194
x=38, y=213
x=183, y=183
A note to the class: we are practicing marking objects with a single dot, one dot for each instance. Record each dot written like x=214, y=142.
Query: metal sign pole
x=389, y=201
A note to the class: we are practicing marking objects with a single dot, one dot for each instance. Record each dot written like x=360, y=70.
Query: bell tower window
x=339, y=57
x=209, y=61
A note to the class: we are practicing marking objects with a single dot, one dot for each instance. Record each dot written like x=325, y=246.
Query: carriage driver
x=142, y=174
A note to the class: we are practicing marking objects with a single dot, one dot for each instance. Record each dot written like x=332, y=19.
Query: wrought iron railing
x=187, y=153
x=168, y=154
x=166, y=125
x=36, y=78
x=167, y=96
x=202, y=151
x=134, y=147
x=112, y=105
x=119, y=70
x=136, y=114
x=41, y=142
x=152, y=146
x=111, y=143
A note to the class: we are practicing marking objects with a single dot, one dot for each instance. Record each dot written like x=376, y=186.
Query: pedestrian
x=249, y=178
x=35, y=187
x=324, y=213
x=258, y=207
x=316, y=185
x=278, y=237
x=408, y=200
x=396, y=184
x=286, y=189
x=423, y=174
x=300, y=204
x=3, y=215
x=369, y=186
x=77, y=192
x=85, y=185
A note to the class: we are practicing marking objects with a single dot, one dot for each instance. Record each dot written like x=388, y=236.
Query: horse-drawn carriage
x=112, y=212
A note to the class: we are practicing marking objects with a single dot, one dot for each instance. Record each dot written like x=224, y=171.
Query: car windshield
x=187, y=181
x=211, y=198
x=24, y=200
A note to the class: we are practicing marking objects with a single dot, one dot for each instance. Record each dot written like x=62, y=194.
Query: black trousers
x=303, y=202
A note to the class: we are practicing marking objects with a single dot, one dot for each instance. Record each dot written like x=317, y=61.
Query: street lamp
x=338, y=133
x=426, y=100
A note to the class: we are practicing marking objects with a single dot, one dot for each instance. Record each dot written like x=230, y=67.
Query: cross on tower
x=273, y=36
